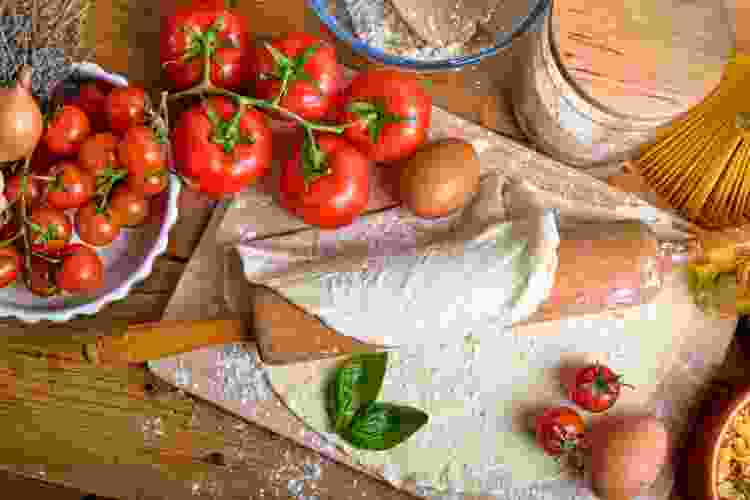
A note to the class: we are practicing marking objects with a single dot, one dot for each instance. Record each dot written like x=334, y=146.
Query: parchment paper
x=689, y=355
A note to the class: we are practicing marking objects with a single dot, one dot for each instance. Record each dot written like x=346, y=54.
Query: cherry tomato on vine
x=125, y=107
x=560, y=431
x=71, y=187
x=309, y=65
x=220, y=148
x=97, y=226
x=13, y=188
x=98, y=153
x=205, y=29
x=392, y=114
x=42, y=277
x=597, y=388
x=92, y=98
x=81, y=271
x=327, y=186
x=10, y=265
x=67, y=130
x=143, y=155
x=50, y=228
x=130, y=207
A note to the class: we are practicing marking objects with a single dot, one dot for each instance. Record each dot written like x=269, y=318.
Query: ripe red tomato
x=311, y=66
x=130, y=207
x=336, y=197
x=560, y=431
x=72, y=186
x=141, y=153
x=596, y=388
x=67, y=130
x=126, y=107
x=51, y=229
x=99, y=152
x=82, y=270
x=92, y=98
x=13, y=188
x=205, y=26
x=97, y=227
x=42, y=277
x=392, y=112
x=10, y=265
x=216, y=158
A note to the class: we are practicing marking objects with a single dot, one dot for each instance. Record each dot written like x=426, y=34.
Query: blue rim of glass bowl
x=536, y=14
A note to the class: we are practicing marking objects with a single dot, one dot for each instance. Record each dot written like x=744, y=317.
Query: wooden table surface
x=118, y=432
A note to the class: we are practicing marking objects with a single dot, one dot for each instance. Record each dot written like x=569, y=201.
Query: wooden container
x=599, y=81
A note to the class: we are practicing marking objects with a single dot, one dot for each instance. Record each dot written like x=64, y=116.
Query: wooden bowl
x=703, y=456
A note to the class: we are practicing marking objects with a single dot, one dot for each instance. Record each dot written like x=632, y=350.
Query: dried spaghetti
x=700, y=165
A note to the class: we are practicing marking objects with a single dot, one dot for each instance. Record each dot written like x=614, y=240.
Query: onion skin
x=21, y=123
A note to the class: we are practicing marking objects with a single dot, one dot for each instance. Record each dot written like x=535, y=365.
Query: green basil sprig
x=356, y=415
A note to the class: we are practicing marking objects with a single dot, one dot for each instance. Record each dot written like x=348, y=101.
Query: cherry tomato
x=10, y=265
x=560, y=431
x=13, y=188
x=392, y=112
x=97, y=227
x=130, y=207
x=216, y=158
x=126, y=107
x=72, y=186
x=333, y=199
x=596, y=388
x=51, y=228
x=140, y=151
x=92, y=98
x=149, y=184
x=205, y=25
x=311, y=66
x=99, y=152
x=67, y=130
x=42, y=277
x=82, y=270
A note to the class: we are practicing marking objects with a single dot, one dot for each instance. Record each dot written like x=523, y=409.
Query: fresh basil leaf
x=382, y=426
x=356, y=384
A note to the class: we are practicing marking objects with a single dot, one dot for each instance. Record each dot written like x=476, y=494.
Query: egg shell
x=440, y=178
x=627, y=454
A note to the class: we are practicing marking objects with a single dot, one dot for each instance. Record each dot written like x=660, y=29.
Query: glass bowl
x=524, y=16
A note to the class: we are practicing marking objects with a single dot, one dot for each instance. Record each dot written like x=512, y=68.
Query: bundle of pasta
x=701, y=164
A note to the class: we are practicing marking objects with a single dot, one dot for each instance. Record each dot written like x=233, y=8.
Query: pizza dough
x=481, y=392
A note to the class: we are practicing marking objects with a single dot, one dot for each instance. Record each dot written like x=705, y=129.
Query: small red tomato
x=130, y=207
x=8, y=231
x=140, y=151
x=560, y=431
x=331, y=194
x=67, y=130
x=42, y=277
x=13, y=188
x=392, y=114
x=205, y=26
x=98, y=153
x=92, y=98
x=51, y=229
x=10, y=265
x=97, y=226
x=149, y=183
x=126, y=107
x=218, y=156
x=72, y=187
x=81, y=271
x=312, y=70
x=596, y=388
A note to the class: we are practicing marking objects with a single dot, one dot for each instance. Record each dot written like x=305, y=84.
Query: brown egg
x=440, y=178
x=627, y=454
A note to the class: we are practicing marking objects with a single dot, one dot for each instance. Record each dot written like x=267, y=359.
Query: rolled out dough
x=481, y=393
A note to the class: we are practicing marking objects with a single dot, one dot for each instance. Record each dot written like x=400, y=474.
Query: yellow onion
x=21, y=123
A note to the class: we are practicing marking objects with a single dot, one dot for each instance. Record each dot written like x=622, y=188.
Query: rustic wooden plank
x=17, y=486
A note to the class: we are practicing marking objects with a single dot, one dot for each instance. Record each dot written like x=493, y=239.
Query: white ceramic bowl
x=128, y=261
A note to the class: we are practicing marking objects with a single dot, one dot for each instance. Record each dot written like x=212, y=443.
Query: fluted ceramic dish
x=128, y=261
